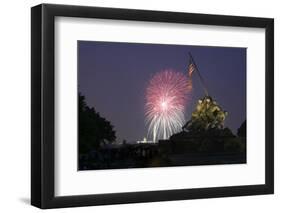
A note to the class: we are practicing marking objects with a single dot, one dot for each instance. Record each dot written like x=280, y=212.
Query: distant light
x=145, y=141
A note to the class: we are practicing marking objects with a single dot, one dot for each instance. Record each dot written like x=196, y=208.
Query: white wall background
x=15, y=105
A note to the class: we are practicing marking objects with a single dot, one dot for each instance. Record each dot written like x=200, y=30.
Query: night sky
x=113, y=77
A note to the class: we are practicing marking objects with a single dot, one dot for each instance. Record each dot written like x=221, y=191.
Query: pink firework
x=166, y=97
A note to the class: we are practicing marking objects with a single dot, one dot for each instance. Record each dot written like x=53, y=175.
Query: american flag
x=191, y=69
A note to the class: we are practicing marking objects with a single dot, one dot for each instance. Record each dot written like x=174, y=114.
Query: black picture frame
x=43, y=102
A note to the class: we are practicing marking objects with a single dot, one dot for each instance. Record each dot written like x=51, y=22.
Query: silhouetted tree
x=241, y=132
x=93, y=129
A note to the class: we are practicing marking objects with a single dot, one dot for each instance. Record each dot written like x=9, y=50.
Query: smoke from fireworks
x=166, y=96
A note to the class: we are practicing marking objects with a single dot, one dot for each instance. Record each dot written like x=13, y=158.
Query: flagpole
x=199, y=74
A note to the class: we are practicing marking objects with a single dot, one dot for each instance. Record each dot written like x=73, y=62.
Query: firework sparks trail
x=166, y=97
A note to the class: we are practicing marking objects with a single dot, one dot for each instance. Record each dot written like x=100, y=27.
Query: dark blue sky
x=114, y=76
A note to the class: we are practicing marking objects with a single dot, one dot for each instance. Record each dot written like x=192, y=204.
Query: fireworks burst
x=166, y=97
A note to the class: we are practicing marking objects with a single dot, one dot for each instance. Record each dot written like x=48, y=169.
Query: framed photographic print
x=140, y=106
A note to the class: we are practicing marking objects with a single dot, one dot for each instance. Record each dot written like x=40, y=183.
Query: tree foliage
x=241, y=132
x=93, y=129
